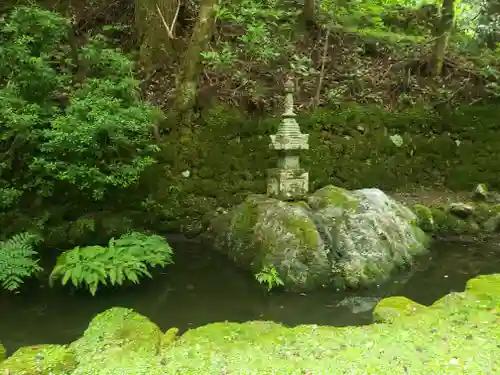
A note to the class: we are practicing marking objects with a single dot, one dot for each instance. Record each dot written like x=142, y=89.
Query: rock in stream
x=346, y=238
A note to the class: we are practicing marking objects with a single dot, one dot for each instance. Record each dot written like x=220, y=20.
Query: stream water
x=203, y=287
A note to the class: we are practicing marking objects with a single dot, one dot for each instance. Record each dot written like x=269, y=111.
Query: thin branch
x=176, y=15
x=170, y=30
x=322, y=72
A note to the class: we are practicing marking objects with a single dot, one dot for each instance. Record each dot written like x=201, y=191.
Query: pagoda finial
x=289, y=91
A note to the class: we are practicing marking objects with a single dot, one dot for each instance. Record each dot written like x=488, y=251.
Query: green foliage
x=18, y=260
x=269, y=276
x=265, y=28
x=126, y=258
x=104, y=121
x=73, y=127
x=262, y=33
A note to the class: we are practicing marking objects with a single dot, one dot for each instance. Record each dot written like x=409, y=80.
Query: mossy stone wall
x=226, y=154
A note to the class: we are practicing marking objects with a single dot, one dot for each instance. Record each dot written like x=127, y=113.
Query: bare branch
x=170, y=29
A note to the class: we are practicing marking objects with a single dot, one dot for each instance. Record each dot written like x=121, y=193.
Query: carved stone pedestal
x=287, y=184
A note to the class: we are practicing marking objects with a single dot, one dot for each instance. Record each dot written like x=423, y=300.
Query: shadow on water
x=203, y=287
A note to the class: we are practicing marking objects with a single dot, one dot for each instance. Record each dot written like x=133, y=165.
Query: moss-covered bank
x=459, y=334
x=477, y=213
x=224, y=156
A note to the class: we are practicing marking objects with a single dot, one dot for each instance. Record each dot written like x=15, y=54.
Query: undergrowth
x=367, y=51
x=124, y=259
x=74, y=135
x=18, y=260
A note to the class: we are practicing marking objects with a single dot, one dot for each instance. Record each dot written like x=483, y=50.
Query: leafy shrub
x=17, y=260
x=126, y=258
x=74, y=131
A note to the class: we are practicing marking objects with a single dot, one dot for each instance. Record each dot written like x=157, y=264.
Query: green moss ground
x=40, y=360
x=459, y=334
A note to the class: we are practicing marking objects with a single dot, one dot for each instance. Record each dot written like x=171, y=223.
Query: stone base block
x=287, y=184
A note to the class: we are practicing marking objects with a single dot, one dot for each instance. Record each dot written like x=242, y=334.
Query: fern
x=270, y=277
x=125, y=258
x=17, y=260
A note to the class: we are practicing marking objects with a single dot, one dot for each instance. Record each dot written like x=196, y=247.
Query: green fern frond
x=125, y=258
x=270, y=277
x=18, y=259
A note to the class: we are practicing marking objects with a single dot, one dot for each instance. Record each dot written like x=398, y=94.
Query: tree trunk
x=309, y=12
x=190, y=65
x=155, y=21
x=443, y=32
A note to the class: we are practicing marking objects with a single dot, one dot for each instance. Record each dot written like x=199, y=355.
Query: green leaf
x=397, y=140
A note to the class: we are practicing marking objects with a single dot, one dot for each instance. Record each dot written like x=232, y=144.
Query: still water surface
x=203, y=287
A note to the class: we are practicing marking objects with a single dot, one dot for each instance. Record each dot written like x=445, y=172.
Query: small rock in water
x=461, y=210
x=359, y=304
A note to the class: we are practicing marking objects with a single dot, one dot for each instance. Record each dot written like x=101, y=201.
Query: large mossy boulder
x=349, y=238
x=118, y=338
x=40, y=359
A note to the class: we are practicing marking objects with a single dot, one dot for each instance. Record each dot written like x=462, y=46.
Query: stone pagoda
x=288, y=181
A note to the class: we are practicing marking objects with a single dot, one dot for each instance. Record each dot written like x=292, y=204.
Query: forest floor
x=430, y=196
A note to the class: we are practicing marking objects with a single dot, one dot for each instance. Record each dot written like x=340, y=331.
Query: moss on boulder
x=483, y=291
x=40, y=359
x=451, y=299
x=425, y=217
x=389, y=309
x=369, y=234
x=117, y=338
x=487, y=215
x=349, y=238
x=267, y=232
x=447, y=222
x=333, y=196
